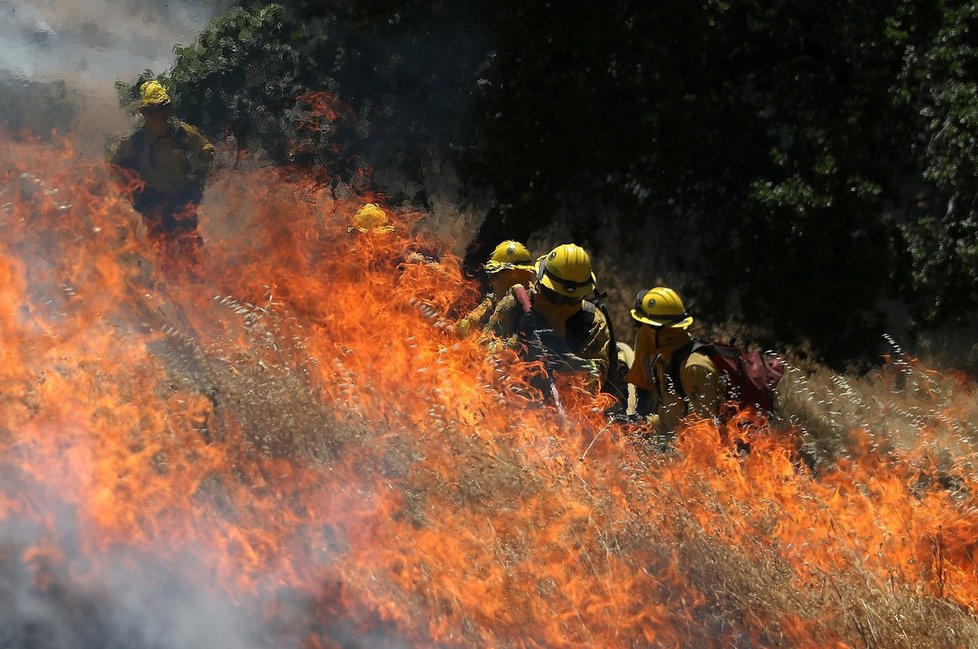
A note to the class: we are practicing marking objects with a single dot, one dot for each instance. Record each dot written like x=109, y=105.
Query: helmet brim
x=493, y=267
x=155, y=104
x=685, y=323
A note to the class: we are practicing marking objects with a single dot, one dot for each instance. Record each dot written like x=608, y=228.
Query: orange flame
x=280, y=422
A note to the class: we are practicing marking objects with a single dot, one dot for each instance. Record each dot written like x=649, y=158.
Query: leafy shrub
x=814, y=159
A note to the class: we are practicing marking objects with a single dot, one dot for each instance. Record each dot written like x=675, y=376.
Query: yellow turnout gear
x=663, y=334
x=167, y=161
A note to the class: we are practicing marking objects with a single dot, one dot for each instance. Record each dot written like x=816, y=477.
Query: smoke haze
x=87, y=46
x=58, y=65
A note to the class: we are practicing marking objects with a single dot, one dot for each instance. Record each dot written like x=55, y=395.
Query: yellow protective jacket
x=478, y=318
x=577, y=336
x=698, y=376
x=168, y=162
x=505, y=316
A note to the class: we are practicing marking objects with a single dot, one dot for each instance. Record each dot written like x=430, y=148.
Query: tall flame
x=279, y=428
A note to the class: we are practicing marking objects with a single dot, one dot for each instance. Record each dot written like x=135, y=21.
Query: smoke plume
x=61, y=58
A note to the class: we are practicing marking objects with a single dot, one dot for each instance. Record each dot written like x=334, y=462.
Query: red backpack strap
x=522, y=298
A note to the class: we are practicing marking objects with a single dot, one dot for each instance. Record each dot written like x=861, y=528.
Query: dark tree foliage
x=818, y=157
x=939, y=222
x=396, y=79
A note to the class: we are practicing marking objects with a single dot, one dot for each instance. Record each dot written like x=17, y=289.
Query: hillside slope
x=273, y=446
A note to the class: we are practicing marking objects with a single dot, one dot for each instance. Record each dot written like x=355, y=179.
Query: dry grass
x=754, y=583
x=263, y=387
x=498, y=538
x=895, y=403
x=752, y=596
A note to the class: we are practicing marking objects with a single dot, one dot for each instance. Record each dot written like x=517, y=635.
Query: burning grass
x=278, y=434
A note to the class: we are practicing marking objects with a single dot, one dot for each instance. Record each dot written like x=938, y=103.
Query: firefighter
x=172, y=159
x=373, y=221
x=370, y=218
x=672, y=379
x=556, y=324
x=509, y=265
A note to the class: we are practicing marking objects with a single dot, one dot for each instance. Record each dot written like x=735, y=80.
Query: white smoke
x=131, y=602
x=89, y=45
x=134, y=601
x=96, y=41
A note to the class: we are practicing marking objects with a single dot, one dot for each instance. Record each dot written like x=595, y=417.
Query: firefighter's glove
x=463, y=328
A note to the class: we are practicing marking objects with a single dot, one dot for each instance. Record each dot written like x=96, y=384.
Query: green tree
x=940, y=225
x=817, y=157
x=765, y=129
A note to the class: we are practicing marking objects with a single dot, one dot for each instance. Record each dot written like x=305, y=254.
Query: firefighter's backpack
x=750, y=375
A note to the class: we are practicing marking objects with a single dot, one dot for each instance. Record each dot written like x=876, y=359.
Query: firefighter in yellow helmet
x=509, y=265
x=172, y=159
x=554, y=322
x=370, y=218
x=677, y=380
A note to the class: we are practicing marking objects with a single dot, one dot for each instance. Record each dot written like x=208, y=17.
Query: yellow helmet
x=510, y=255
x=152, y=93
x=661, y=307
x=370, y=217
x=567, y=271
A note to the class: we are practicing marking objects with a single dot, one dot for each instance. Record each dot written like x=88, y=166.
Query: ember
x=275, y=446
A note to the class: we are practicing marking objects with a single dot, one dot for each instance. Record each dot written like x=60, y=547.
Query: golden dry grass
x=752, y=597
x=505, y=538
